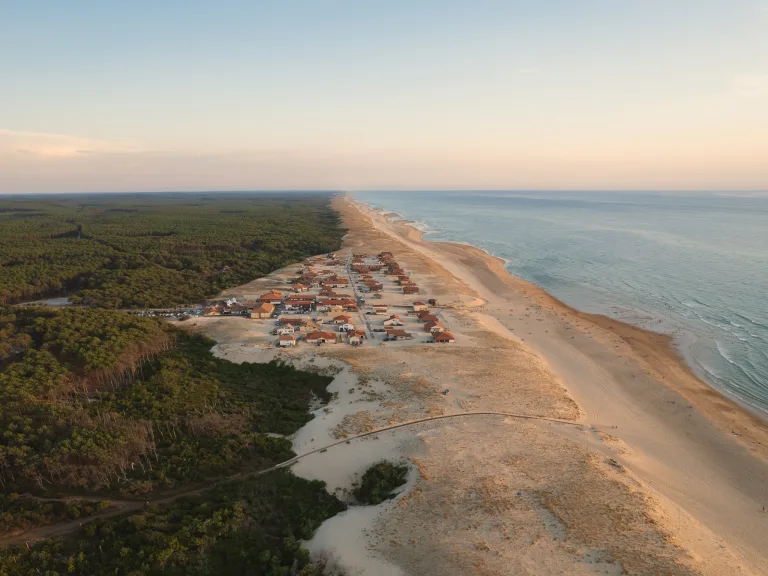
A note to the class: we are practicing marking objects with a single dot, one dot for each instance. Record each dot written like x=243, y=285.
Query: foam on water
x=692, y=265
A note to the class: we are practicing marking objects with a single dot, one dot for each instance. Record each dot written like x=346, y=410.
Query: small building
x=355, y=340
x=273, y=296
x=336, y=282
x=380, y=308
x=286, y=340
x=444, y=338
x=307, y=326
x=346, y=304
x=434, y=327
x=342, y=319
x=262, y=310
x=212, y=311
x=394, y=320
x=410, y=289
x=398, y=335
x=299, y=298
x=236, y=310
x=321, y=337
x=286, y=329
x=420, y=307
x=427, y=317
x=299, y=287
x=290, y=322
x=300, y=305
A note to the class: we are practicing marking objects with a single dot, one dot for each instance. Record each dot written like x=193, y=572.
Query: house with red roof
x=273, y=296
x=394, y=320
x=398, y=334
x=321, y=337
x=262, y=310
x=286, y=340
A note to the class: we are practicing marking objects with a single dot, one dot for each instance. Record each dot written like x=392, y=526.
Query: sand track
x=129, y=506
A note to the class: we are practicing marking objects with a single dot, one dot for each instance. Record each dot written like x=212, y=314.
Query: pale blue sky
x=356, y=94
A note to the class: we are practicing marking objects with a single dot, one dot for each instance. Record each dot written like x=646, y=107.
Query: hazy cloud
x=752, y=84
x=42, y=145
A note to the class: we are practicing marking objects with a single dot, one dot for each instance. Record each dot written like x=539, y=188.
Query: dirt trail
x=129, y=506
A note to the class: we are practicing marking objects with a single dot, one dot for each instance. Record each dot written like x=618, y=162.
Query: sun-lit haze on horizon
x=342, y=94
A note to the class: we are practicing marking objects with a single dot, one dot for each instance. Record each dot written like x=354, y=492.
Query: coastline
x=700, y=451
x=683, y=337
x=657, y=351
x=605, y=468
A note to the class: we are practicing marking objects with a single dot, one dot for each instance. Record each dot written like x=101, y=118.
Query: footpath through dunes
x=118, y=507
x=703, y=485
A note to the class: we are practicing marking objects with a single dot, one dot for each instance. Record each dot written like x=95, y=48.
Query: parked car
x=379, y=330
x=371, y=313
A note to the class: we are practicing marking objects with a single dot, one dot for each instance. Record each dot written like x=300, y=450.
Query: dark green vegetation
x=102, y=400
x=379, y=481
x=97, y=401
x=154, y=250
x=251, y=527
x=18, y=513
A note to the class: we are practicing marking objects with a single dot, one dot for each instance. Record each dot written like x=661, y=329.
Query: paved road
x=360, y=312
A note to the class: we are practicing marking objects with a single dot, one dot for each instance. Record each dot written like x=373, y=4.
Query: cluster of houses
x=432, y=324
x=369, y=284
x=394, y=269
x=394, y=323
x=291, y=330
x=387, y=264
x=324, y=273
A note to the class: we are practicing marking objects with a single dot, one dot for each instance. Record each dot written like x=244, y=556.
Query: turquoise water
x=695, y=266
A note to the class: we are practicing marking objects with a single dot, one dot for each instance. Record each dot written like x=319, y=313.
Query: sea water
x=691, y=265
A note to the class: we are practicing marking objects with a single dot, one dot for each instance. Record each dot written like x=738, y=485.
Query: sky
x=152, y=95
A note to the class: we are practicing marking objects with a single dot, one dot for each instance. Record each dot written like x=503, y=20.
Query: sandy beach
x=649, y=472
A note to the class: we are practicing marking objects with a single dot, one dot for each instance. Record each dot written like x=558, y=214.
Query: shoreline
x=677, y=342
x=496, y=495
x=656, y=349
x=697, y=450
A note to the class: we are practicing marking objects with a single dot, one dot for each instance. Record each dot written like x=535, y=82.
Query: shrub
x=379, y=481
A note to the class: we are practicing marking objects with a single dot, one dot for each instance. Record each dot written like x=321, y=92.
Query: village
x=358, y=300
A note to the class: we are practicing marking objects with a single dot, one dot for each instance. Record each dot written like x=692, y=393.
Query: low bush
x=379, y=482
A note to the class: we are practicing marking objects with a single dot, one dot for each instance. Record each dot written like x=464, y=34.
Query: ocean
x=691, y=265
